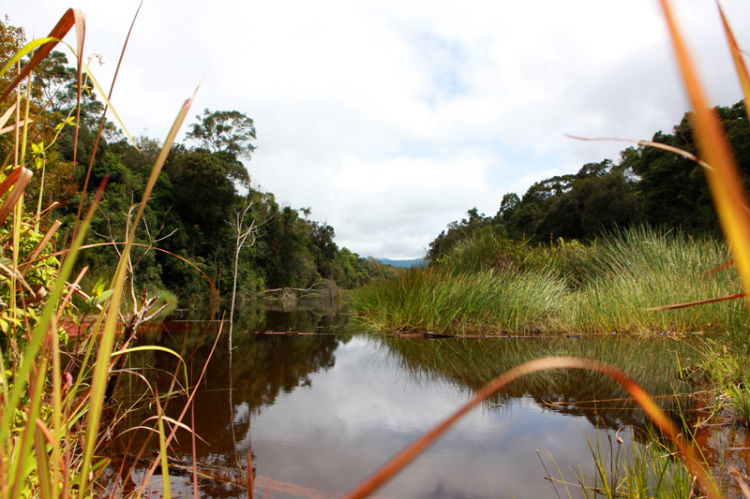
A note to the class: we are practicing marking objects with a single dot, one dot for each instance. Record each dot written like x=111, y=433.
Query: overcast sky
x=390, y=119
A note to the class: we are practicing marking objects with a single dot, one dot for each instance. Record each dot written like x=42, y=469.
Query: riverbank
x=619, y=283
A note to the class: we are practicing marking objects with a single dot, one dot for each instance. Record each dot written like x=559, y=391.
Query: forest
x=194, y=210
x=645, y=186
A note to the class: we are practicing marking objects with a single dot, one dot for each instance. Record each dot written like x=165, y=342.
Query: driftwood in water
x=317, y=290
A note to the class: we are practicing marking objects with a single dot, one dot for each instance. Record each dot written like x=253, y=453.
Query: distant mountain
x=414, y=262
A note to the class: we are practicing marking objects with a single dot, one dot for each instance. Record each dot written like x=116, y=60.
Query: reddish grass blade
x=721, y=267
x=71, y=17
x=406, y=456
x=741, y=482
x=43, y=243
x=80, y=22
x=12, y=128
x=698, y=302
x=6, y=116
x=724, y=181
x=648, y=143
x=18, y=179
x=103, y=120
x=739, y=62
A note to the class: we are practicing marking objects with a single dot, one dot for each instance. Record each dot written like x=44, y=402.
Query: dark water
x=322, y=411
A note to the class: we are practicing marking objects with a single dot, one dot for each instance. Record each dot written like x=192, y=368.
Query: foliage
x=193, y=203
x=647, y=185
x=490, y=284
x=225, y=131
x=636, y=470
x=51, y=414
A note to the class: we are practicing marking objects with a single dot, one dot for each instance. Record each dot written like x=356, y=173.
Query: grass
x=443, y=300
x=627, y=275
x=52, y=426
x=723, y=367
x=487, y=285
x=636, y=470
x=632, y=468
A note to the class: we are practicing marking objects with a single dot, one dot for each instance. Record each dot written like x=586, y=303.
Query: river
x=322, y=404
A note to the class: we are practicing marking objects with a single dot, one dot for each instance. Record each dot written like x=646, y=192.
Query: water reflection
x=471, y=363
x=322, y=411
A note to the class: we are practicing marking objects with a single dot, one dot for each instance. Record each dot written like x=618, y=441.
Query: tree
x=55, y=81
x=509, y=203
x=12, y=38
x=225, y=131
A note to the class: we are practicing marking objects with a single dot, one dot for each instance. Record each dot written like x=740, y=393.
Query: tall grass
x=51, y=414
x=635, y=470
x=630, y=274
x=444, y=300
x=487, y=285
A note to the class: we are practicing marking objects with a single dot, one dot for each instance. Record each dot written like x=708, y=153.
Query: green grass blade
x=109, y=105
x=101, y=369
x=68, y=20
x=29, y=47
x=42, y=465
x=156, y=348
x=163, y=453
x=40, y=331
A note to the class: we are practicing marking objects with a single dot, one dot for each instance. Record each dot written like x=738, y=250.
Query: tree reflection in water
x=268, y=368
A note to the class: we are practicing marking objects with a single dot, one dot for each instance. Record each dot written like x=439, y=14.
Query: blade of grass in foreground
x=68, y=20
x=42, y=327
x=723, y=179
x=99, y=381
x=739, y=62
x=163, y=452
x=103, y=120
x=639, y=395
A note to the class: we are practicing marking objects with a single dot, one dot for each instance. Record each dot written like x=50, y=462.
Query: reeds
x=487, y=285
x=635, y=470
x=443, y=300
x=627, y=276
x=51, y=414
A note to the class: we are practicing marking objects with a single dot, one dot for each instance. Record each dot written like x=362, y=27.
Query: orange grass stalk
x=739, y=62
x=724, y=181
x=103, y=120
x=406, y=456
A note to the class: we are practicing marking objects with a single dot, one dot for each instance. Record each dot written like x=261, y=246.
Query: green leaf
x=29, y=47
x=98, y=288
x=103, y=296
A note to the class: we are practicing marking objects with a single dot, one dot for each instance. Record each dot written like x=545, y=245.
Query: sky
x=392, y=118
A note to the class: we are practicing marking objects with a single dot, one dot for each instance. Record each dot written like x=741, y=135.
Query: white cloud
x=391, y=119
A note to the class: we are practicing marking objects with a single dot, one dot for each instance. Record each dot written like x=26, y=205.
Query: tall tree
x=225, y=131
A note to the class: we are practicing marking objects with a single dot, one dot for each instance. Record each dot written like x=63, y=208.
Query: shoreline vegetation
x=489, y=285
x=56, y=415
